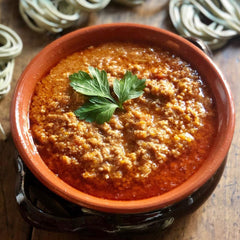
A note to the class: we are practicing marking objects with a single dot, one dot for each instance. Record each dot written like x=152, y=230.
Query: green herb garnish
x=101, y=104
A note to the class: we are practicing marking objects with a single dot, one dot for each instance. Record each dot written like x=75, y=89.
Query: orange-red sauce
x=154, y=145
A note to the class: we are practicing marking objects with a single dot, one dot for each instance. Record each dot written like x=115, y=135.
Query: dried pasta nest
x=56, y=15
x=10, y=47
x=213, y=21
x=89, y=6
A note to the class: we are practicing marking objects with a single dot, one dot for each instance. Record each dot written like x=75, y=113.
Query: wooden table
x=218, y=218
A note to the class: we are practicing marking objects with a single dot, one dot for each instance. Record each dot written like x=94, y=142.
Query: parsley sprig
x=101, y=104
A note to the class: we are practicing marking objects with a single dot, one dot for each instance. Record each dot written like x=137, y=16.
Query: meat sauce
x=156, y=143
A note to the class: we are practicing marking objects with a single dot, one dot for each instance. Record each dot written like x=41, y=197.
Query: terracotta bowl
x=83, y=38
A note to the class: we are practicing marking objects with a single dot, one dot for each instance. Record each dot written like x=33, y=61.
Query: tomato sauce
x=156, y=143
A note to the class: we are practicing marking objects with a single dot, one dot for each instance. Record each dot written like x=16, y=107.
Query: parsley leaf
x=96, y=86
x=97, y=110
x=101, y=104
x=128, y=87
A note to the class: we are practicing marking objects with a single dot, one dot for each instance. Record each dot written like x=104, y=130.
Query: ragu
x=154, y=145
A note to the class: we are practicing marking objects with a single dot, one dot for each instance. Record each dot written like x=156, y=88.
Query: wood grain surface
x=218, y=218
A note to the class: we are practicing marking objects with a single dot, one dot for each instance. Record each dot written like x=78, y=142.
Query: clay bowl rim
x=28, y=152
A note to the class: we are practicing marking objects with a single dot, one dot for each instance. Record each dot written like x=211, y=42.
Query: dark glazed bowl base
x=43, y=209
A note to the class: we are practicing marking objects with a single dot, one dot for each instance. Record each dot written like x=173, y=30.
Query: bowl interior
x=80, y=39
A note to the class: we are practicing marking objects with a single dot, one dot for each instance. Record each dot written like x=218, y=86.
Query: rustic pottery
x=209, y=172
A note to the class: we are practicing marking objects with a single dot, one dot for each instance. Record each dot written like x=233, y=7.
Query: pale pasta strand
x=189, y=18
x=56, y=15
x=53, y=16
x=91, y=5
x=10, y=47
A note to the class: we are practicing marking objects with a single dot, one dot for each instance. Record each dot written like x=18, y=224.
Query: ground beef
x=155, y=144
